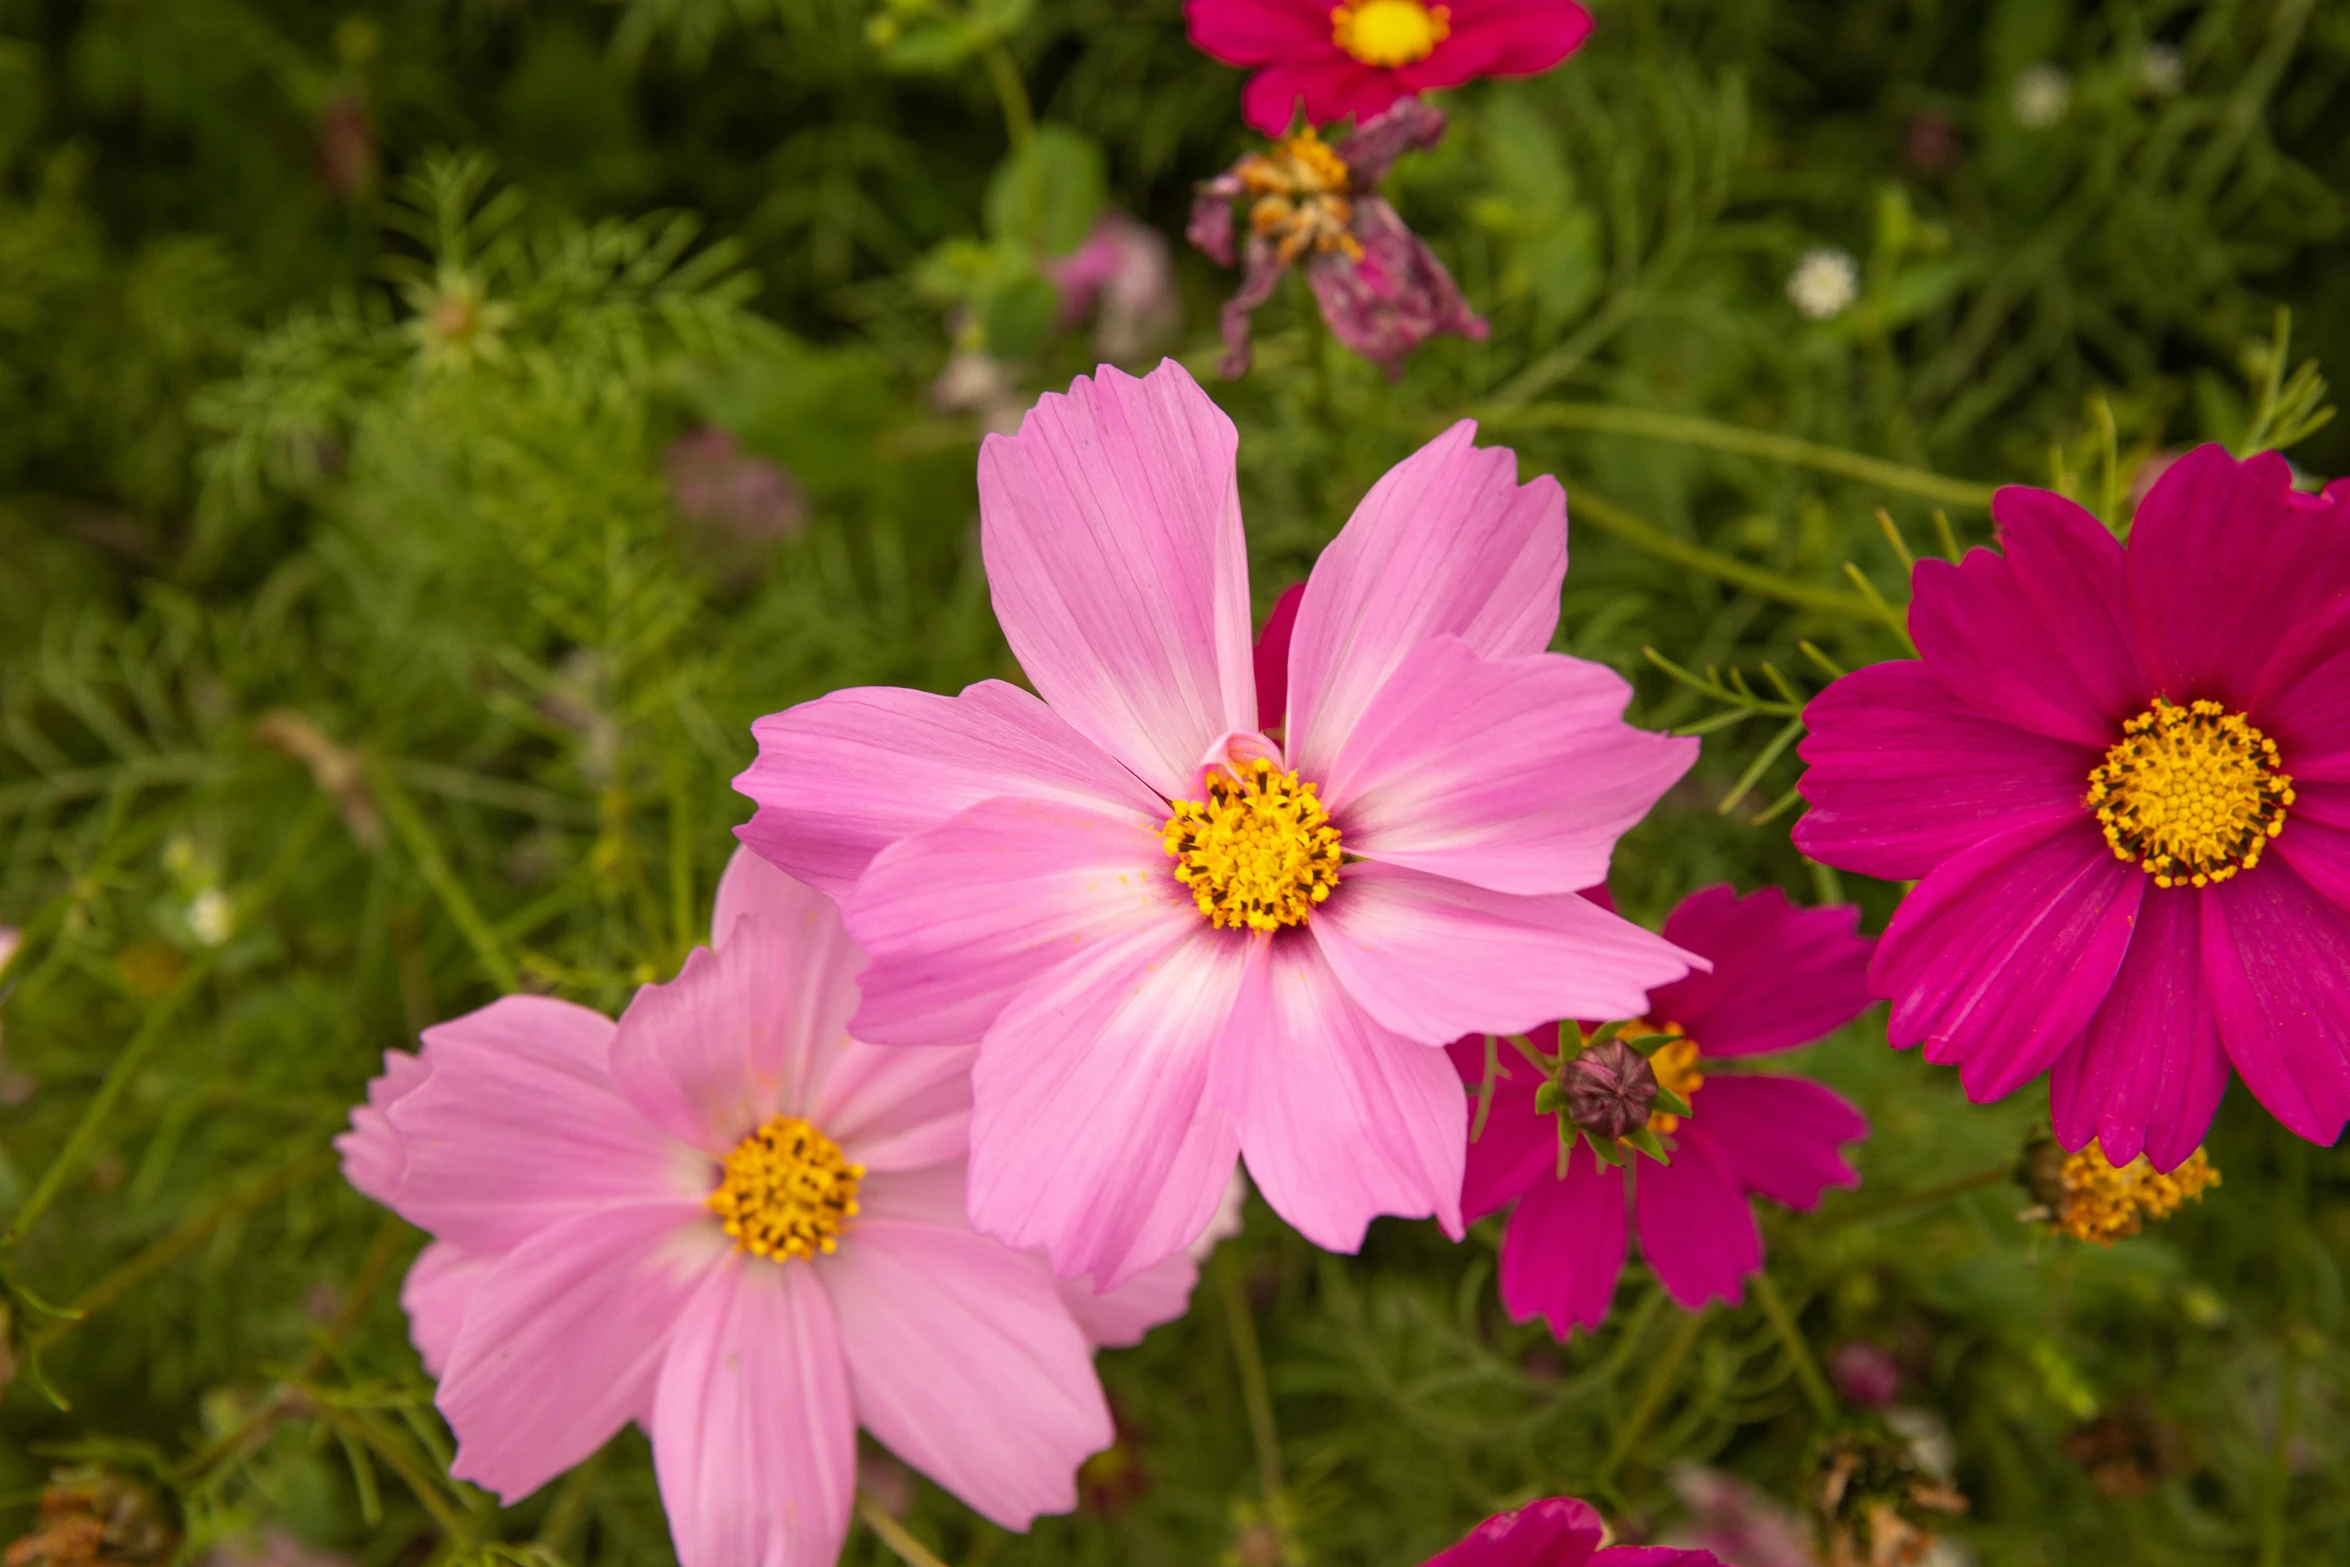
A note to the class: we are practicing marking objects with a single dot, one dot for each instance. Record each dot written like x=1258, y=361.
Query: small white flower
x=2161, y=71
x=1824, y=283
x=2042, y=93
x=212, y=917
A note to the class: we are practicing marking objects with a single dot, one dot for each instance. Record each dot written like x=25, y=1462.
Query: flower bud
x=1609, y=1088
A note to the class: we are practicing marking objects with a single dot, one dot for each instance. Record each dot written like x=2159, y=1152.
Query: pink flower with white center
x=728, y=1220
x=1176, y=939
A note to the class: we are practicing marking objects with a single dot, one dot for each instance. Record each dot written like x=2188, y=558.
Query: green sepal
x=1670, y=1103
x=1549, y=1099
x=1650, y=1044
x=1607, y=1151
x=1648, y=1143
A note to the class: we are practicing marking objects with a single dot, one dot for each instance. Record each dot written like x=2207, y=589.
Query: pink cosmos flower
x=1125, y=272
x=726, y=1219
x=1175, y=938
x=1558, y=1531
x=1377, y=284
x=1782, y=977
x=1359, y=56
x=2121, y=779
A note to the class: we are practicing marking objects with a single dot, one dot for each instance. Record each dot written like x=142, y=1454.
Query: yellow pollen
x=1258, y=851
x=1675, y=1066
x=1389, y=32
x=787, y=1191
x=2101, y=1203
x=2192, y=793
x=1302, y=199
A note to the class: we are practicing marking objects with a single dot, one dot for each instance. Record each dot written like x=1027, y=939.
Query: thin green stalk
x=895, y=1535
x=417, y=839
x=1255, y=1394
x=1652, y=1393
x=1611, y=518
x=1901, y=1202
x=1690, y=430
x=1807, y=1370
x=1894, y=620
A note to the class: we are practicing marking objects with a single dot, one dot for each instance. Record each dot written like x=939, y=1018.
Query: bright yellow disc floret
x=2193, y=794
x=2102, y=1203
x=787, y=1190
x=1389, y=33
x=1259, y=851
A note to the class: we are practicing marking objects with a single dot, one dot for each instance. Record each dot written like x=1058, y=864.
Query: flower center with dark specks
x=2193, y=794
x=1259, y=851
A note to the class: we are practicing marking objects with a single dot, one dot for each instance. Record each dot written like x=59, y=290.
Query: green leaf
x=1017, y=313
x=1047, y=201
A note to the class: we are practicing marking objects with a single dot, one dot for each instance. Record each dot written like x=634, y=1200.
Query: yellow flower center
x=1675, y=1066
x=1300, y=197
x=1258, y=851
x=1389, y=32
x=2193, y=793
x=2101, y=1203
x=787, y=1191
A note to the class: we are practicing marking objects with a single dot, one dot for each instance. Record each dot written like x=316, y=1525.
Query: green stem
x=1012, y=94
x=895, y=1535
x=1608, y=517
x=1652, y=1393
x=1901, y=1202
x=1255, y=1394
x=1807, y=1370
x=1693, y=431
x=417, y=839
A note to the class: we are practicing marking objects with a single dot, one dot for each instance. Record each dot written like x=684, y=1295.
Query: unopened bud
x=1609, y=1088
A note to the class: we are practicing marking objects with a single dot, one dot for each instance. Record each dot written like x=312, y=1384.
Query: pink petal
x=841, y=778
x=1564, y=1248
x=1999, y=959
x=1272, y=658
x=2276, y=959
x=1111, y=530
x=560, y=1343
x=373, y=1161
x=963, y=917
x=1120, y=1317
x=1782, y=976
x=1447, y=543
x=1255, y=32
x=1696, y=1230
x=1332, y=86
x=1517, y=1147
x=1500, y=38
x=1433, y=959
x=895, y=1109
x=1516, y=774
x=1343, y=1120
x=441, y=1283
x=519, y=1125
x=1889, y=736
x=968, y=1366
x=2149, y=1073
x=1779, y=1136
x=1089, y=1137
x=1557, y=1531
x=754, y=1439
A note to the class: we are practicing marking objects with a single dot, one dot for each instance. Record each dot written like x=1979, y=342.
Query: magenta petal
x=373, y=1161
x=1116, y=1318
x=1500, y=38
x=1564, y=1247
x=1343, y=1120
x=1517, y=1147
x=839, y=779
x=1999, y=959
x=1111, y=529
x=963, y=917
x=1903, y=775
x=1089, y=1137
x=754, y=1439
x=519, y=1125
x=441, y=1283
x=2069, y=570
x=1783, y=976
x=1696, y=1230
x=1433, y=958
x=1272, y=658
x=968, y=1366
x=1254, y=32
x=1446, y=543
x=1780, y=1136
x=1331, y=85
x=2149, y=1073
x=1554, y=1532
x=1969, y=619
x=561, y=1341
x=2276, y=958
x=1516, y=774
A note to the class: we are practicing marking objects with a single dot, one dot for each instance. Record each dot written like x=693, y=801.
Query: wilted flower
x=974, y=381
x=1876, y=1505
x=2042, y=94
x=1739, y=1523
x=1124, y=277
x=2128, y=1452
x=718, y=485
x=1864, y=1373
x=1558, y=1531
x=2082, y=1194
x=2161, y=71
x=345, y=150
x=90, y=1516
x=1358, y=57
x=1931, y=143
x=2118, y=776
x=1177, y=939
x=1824, y=283
x=1314, y=204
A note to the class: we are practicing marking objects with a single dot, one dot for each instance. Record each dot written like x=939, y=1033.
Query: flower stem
x=1608, y=517
x=1901, y=1202
x=487, y=949
x=1807, y=1370
x=1255, y=1394
x=1652, y=1393
x=895, y=1535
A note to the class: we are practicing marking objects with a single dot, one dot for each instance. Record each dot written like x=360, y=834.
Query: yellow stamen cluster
x=1300, y=198
x=1675, y=1066
x=2192, y=793
x=1389, y=33
x=787, y=1191
x=2101, y=1203
x=1259, y=851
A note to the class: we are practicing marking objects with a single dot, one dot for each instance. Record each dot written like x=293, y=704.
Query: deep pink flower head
x=726, y=1219
x=1175, y=938
x=1782, y=977
x=1558, y=1531
x=2121, y=779
x=1310, y=204
x=1359, y=56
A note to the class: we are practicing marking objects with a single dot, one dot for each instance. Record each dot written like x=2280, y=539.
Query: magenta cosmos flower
x=2121, y=779
x=1558, y=1531
x=1782, y=977
x=727, y=1220
x=1310, y=204
x=1176, y=938
x=1359, y=56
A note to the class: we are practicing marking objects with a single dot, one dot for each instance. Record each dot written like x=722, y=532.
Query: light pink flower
x=569, y=1169
x=1125, y=272
x=1012, y=864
